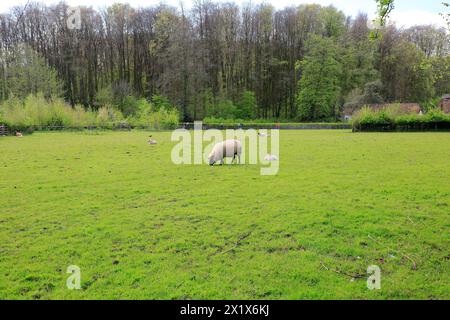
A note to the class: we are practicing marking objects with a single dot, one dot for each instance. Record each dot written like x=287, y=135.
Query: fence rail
x=3, y=130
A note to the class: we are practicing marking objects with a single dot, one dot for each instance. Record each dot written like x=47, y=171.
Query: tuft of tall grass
x=36, y=112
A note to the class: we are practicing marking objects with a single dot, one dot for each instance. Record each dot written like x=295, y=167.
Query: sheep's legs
x=237, y=158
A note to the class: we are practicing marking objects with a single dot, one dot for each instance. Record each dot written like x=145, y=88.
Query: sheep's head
x=211, y=158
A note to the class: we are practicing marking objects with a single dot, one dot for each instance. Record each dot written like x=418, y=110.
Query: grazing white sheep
x=19, y=134
x=270, y=157
x=225, y=149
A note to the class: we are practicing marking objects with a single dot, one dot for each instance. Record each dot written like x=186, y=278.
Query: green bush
x=151, y=117
x=225, y=109
x=409, y=119
x=118, y=95
x=368, y=116
x=36, y=112
x=109, y=117
x=81, y=117
x=390, y=118
x=246, y=106
x=436, y=115
x=160, y=102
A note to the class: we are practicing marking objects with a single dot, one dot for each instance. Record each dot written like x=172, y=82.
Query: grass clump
x=36, y=112
x=154, y=116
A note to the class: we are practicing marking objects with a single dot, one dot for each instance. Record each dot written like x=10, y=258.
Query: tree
x=370, y=95
x=384, y=8
x=357, y=55
x=441, y=74
x=446, y=16
x=27, y=73
x=224, y=109
x=246, y=107
x=333, y=21
x=432, y=41
x=318, y=88
x=204, y=58
x=407, y=74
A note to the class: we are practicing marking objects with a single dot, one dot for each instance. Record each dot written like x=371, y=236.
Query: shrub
x=108, y=117
x=222, y=109
x=26, y=72
x=147, y=116
x=81, y=117
x=104, y=96
x=119, y=95
x=13, y=113
x=391, y=118
x=37, y=112
x=161, y=102
x=369, y=118
x=436, y=115
x=246, y=107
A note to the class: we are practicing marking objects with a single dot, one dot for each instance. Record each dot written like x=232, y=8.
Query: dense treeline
x=220, y=60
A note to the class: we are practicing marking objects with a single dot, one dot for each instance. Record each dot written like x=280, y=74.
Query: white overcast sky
x=405, y=14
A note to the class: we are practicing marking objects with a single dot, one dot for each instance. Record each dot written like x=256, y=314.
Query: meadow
x=140, y=227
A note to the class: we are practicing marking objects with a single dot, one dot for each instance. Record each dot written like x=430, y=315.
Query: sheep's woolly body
x=225, y=149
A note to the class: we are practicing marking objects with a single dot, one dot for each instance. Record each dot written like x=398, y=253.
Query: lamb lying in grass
x=270, y=157
x=263, y=134
x=151, y=141
x=225, y=149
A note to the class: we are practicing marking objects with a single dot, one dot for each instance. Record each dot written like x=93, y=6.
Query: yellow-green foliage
x=107, y=116
x=82, y=117
x=35, y=111
x=368, y=115
x=147, y=116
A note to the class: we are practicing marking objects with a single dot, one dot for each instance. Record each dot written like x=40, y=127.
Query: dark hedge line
x=418, y=126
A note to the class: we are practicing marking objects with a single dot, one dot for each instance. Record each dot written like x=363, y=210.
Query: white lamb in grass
x=151, y=141
x=263, y=134
x=270, y=157
x=225, y=149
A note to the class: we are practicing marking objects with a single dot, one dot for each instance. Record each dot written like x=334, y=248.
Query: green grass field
x=140, y=227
